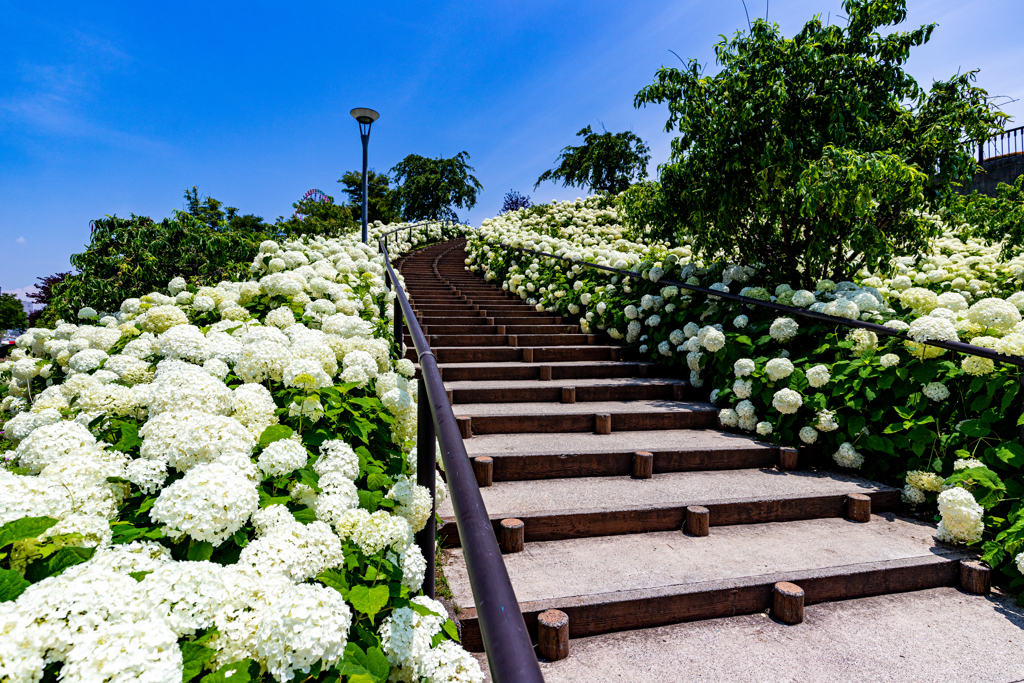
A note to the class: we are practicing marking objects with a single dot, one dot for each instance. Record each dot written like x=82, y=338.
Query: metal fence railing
x=1003, y=144
x=510, y=654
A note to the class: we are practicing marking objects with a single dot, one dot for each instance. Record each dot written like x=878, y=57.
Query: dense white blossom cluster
x=165, y=361
x=961, y=517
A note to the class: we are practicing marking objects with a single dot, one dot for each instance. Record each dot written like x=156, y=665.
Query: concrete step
x=504, y=329
x=509, y=354
x=616, y=583
x=584, y=390
x=437, y=339
x=560, y=370
x=494, y=418
x=896, y=638
x=557, y=509
x=538, y=456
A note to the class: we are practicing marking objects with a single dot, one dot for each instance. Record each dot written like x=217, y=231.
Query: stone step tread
x=575, y=444
x=898, y=638
x=599, y=569
x=562, y=363
x=586, y=495
x=544, y=384
x=586, y=408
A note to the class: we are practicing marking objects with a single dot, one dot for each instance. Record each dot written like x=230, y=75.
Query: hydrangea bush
x=218, y=483
x=900, y=411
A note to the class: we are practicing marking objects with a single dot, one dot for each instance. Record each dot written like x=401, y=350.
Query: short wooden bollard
x=511, y=536
x=483, y=468
x=512, y=340
x=678, y=392
x=553, y=635
x=615, y=354
x=975, y=577
x=591, y=339
x=545, y=373
x=501, y=329
x=451, y=396
x=603, y=424
x=527, y=355
x=788, y=603
x=568, y=394
x=698, y=520
x=644, y=369
x=643, y=465
x=787, y=459
x=465, y=426
x=858, y=507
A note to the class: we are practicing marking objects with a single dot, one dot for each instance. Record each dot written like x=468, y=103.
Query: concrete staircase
x=534, y=395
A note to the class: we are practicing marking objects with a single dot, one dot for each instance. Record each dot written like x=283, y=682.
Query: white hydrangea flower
x=711, y=339
x=961, y=517
x=847, y=456
x=728, y=417
x=787, y=401
x=889, y=360
x=300, y=627
x=966, y=464
x=282, y=457
x=778, y=368
x=936, y=391
x=743, y=388
x=826, y=421
x=818, y=376
x=209, y=503
x=740, y=321
x=743, y=367
x=783, y=329
x=808, y=435
x=912, y=496
x=764, y=428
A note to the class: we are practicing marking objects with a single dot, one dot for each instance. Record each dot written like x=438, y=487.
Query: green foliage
x=130, y=257
x=315, y=216
x=430, y=189
x=382, y=202
x=12, y=313
x=609, y=162
x=814, y=155
x=996, y=219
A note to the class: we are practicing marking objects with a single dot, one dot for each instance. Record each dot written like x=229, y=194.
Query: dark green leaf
x=975, y=428
x=451, y=630
x=199, y=551
x=333, y=579
x=245, y=671
x=987, y=487
x=194, y=657
x=24, y=528
x=139, y=576
x=275, y=433
x=54, y=565
x=11, y=585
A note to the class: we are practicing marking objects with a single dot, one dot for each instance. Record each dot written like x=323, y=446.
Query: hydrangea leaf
x=130, y=438
x=24, y=528
x=986, y=486
x=11, y=585
x=64, y=558
x=305, y=515
x=1012, y=453
x=332, y=578
x=975, y=428
x=199, y=551
x=450, y=628
x=194, y=657
x=368, y=600
x=377, y=664
x=275, y=433
x=238, y=672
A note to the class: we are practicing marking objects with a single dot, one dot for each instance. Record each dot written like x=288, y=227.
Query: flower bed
x=219, y=484
x=945, y=428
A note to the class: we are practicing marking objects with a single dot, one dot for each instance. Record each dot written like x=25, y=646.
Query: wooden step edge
x=559, y=526
x=593, y=615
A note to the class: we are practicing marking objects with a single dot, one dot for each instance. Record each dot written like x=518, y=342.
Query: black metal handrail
x=510, y=653
x=957, y=346
x=1005, y=143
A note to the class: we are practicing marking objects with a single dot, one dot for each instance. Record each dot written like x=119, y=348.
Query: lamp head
x=364, y=115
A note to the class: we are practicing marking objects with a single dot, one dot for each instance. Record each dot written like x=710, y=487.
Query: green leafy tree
x=609, y=162
x=815, y=155
x=996, y=219
x=430, y=189
x=317, y=214
x=382, y=203
x=12, y=313
x=129, y=257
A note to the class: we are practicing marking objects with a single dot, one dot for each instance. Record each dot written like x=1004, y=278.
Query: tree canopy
x=515, y=201
x=317, y=214
x=12, y=313
x=381, y=199
x=814, y=155
x=431, y=189
x=609, y=162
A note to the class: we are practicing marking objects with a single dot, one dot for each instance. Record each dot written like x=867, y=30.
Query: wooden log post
x=545, y=373
x=697, y=521
x=527, y=355
x=451, y=396
x=568, y=394
x=553, y=635
x=603, y=424
x=975, y=577
x=465, y=426
x=788, y=603
x=858, y=507
x=643, y=465
x=787, y=459
x=501, y=329
x=513, y=340
x=483, y=468
x=511, y=536
x=678, y=392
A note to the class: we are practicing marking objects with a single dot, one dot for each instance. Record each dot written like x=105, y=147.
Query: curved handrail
x=510, y=653
x=957, y=346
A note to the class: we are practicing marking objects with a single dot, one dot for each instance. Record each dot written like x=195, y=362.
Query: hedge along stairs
x=618, y=501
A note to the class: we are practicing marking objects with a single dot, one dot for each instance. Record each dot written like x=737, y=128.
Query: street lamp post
x=365, y=117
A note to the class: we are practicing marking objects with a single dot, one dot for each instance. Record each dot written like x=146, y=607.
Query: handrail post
x=426, y=477
x=399, y=328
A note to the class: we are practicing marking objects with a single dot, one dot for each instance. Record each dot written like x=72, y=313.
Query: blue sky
x=117, y=107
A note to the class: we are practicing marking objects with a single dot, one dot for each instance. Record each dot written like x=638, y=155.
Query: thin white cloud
x=20, y=240
x=23, y=292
